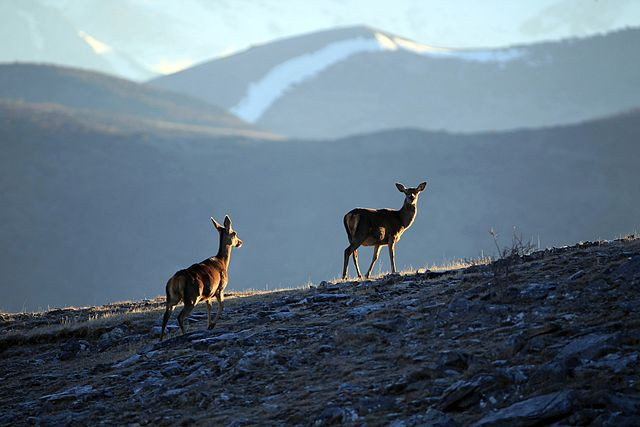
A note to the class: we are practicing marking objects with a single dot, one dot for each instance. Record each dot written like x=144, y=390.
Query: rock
x=157, y=330
x=463, y=394
x=204, y=343
x=328, y=297
x=514, y=345
x=515, y=374
x=170, y=368
x=629, y=270
x=533, y=411
x=575, y=276
x=460, y=305
x=238, y=422
x=369, y=404
x=127, y=362
x=435, y=418
x=555, y=371
x=588, y=346
x=615, y=361
x=153, y=382
x=110, y=338
x=336, y=415
x=282, y=315
x=364, y=310
x=537, y=290
x=454, y=359
x=71, y=393
x=174, y=392
x=72, y=348
x=616, y=420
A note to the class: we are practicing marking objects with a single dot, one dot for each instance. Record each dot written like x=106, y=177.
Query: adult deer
x=202, y=281
x=379, y=227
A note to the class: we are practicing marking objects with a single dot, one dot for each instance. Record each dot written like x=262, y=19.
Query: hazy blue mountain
x=91, y=214
x=34, y=31
x=115, y=99
x=357, y=80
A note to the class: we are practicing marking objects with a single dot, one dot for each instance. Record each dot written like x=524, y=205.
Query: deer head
x=411, y=194
x=228, y=237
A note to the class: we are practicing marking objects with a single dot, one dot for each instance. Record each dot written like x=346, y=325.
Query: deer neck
x=407, y=214
x=224, y=253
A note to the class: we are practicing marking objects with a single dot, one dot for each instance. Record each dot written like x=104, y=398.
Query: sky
x=167, y=35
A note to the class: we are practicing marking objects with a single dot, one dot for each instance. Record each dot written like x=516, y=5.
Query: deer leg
x=165, y=319
x=208, y=312
x=355, y=261
x=392, y=247
x=355, y=244
x=220, y=299
x=186, y=311
x=376, y=254
x=345, y=268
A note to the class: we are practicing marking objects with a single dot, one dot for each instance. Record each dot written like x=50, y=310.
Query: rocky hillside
x=550, y=337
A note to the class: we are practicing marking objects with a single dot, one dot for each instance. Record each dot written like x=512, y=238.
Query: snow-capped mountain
x=34, y=32
x=359, y=79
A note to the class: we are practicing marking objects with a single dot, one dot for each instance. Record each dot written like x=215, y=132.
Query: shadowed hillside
x=553, y=343
x=90, y=216
x=95, y=92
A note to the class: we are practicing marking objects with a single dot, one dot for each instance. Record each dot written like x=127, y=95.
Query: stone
x=364, y=310
x=328, y=297
x=454, y=359
x=588, y=346
x=534, y=411
x=282, y=315
x=110, y=338
x=537, y=290
x=72, y=348
x=174, y=392
x=630, y=270
x=575, y=276
x=170, y=368
x=615, y=361
x=128, y=361
x=435, y=418
x=70, y=393
x=464, y=394
x=336, y=415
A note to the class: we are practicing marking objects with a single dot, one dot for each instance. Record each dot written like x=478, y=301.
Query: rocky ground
x=548, y=338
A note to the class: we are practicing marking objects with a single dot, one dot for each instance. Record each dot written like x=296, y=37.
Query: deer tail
x=350, y=222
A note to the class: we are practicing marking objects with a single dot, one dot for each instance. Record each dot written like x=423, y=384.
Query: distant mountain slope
x=354, y=80
x=33, y=31
x=100, y=93
x=91, y=214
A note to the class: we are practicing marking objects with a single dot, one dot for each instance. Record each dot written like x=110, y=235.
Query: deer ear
x=227, y=222
x=422, y=186
x=400, y=187
x=216, y=225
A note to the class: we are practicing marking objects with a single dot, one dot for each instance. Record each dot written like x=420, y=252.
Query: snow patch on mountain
x=263, y=93
x=121, y=64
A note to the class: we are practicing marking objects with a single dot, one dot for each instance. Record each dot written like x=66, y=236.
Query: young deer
x=202, y=281
x=379, y=227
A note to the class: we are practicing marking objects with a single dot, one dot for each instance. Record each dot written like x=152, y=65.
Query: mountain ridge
x=108, y=95
x=337, y=83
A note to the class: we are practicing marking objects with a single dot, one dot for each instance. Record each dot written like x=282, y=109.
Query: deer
x=379, y=227
x=202, y=281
